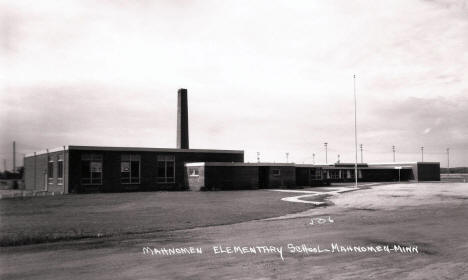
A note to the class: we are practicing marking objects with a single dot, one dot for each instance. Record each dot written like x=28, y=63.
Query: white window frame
x=130, y=158
x=60, y=179
x=93, y=158
x=50, y=179
x=165, y=159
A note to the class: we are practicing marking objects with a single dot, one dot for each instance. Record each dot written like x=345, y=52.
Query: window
x=91, y=169
x=315, y=174
x=60, y=170
x=334, y=174
x=130, y=169
x=276, y=172
x=351, y=174
x=166, y=169
x=50, y=171
x=194, y=172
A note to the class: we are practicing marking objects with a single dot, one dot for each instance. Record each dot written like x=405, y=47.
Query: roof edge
x=132, y=149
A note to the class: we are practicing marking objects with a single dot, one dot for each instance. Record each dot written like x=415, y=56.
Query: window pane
x=170, y=169
x=161, y=168
x=96, y=166
x=135, y=165
x=125, y=167
x=165, y=168
x=135, y=171
x=60, y=169
x=50, y=169
x=97, y=157
x=96, y=178
x=125, y=172
x=85, y=169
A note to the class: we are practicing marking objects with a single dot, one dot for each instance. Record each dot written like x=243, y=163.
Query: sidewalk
x=4, y=194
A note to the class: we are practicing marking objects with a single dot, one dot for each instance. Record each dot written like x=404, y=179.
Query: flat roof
x=290, y=164
x=238, y=164
x=363, y=165
x=403, y=163
x=133, y=149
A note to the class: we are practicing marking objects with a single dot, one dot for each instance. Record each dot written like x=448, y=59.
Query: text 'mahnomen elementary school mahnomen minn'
x=76, y=169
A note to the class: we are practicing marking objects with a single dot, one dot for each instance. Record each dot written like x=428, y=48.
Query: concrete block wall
x=35, y=172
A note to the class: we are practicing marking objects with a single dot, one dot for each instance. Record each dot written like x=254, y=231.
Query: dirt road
x=430, y=217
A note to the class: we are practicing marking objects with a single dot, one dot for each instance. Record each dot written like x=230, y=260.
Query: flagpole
x=355, y=134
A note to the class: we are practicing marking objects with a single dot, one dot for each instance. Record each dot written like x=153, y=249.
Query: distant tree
x=20, y=172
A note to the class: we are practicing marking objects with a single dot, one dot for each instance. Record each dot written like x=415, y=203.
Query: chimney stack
x=182, y=120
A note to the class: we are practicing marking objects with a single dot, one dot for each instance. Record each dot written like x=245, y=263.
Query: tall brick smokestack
x=182, y=120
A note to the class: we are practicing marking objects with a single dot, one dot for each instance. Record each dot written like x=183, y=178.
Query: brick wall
x=428, y=171
x=287, y=177
x=231, y=177
x=148, y=166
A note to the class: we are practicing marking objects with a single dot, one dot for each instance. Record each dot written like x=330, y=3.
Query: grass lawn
x=54, y=218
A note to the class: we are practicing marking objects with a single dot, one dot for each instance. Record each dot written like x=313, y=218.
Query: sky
x=272, y=77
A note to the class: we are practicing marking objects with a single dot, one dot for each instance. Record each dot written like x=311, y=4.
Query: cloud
x=262, y=76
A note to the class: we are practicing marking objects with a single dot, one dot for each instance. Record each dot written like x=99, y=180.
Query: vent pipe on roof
x=182, y=119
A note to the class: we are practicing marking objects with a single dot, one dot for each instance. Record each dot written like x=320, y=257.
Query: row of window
x=194, y=172
x=341, y=174
x=59, y=171
x=130, y=169
x=315, y=174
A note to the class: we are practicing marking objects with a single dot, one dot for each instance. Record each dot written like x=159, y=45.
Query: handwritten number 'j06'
x=320, y=221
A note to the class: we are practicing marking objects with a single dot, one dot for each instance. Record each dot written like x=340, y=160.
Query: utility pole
x=422, y=153
x=287, y=157
x=326, y=152
x=361, y=154
x=355, y=132
x=448, y=160
x=393, y=149
x=313, y=158
x=338, y=158
x=258, y=156
x=14, y=157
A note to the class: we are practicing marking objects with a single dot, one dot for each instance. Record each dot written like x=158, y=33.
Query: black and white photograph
x=233, y=139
